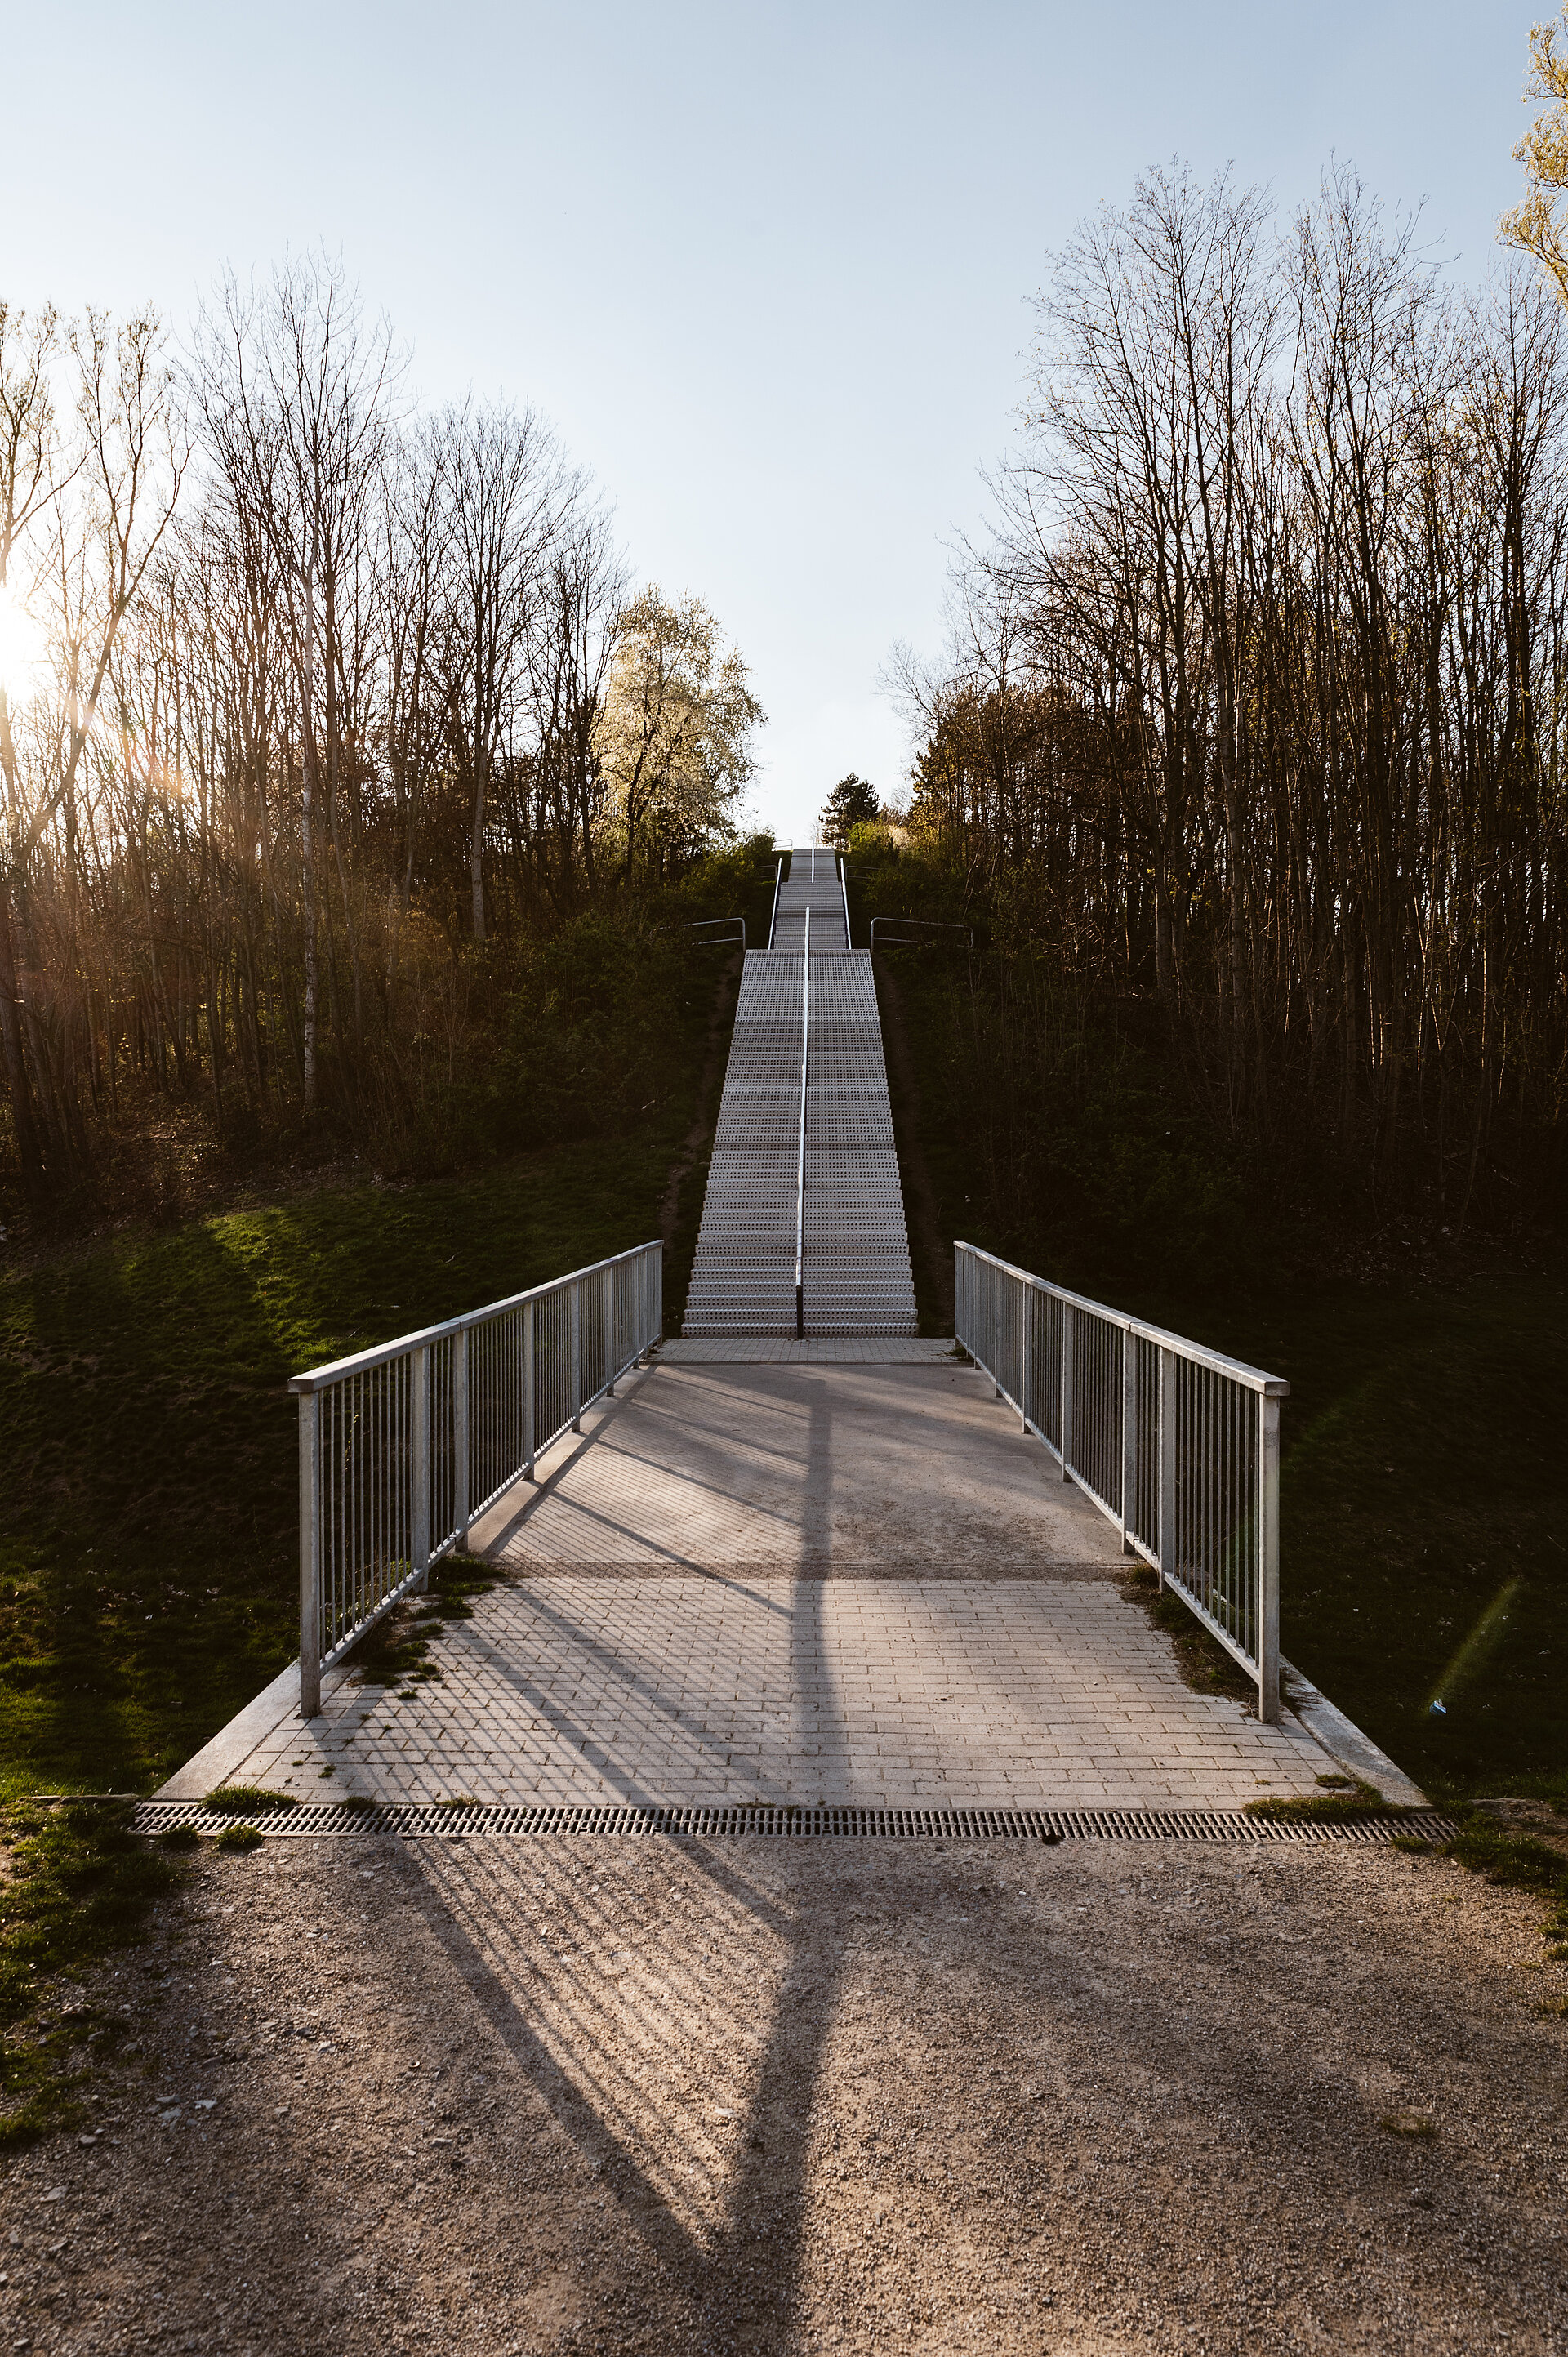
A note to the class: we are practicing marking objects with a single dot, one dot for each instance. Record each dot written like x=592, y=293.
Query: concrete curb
x=217, y=1759
x=1345, y=1743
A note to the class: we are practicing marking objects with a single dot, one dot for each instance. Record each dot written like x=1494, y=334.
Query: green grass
x=239, y=1836
x=78, y=1883
x=1342, y=1808
x=148, y=1585
x=1424, y=1480
x=248, y=1801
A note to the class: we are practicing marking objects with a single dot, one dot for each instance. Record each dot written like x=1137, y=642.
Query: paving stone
x=842, y=1581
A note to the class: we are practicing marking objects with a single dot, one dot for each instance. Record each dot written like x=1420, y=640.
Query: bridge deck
x=807, y=1582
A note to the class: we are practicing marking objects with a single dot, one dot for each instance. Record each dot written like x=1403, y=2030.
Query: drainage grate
x=417, y=1819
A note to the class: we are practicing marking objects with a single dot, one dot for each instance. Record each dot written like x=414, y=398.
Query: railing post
x=310, y=1554
x=1026, y=1332
x=460, y=1436
x=610, y=1330
x=576, y=1374
x=1067, y=1388
x=528, y=1420
x=1269, y=1559
x=419, y=1536
x=1129, y=1439
x=1167, y=1462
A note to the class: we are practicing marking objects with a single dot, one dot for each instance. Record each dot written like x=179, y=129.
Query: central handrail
x=800, y=1162
x=773, y=912
x=843, y=887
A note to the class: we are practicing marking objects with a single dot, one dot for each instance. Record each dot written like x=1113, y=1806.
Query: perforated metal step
x=855, y=1272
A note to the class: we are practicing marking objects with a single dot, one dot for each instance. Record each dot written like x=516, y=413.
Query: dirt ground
x=616, y=2094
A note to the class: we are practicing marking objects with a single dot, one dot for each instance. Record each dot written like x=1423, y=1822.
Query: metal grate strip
x=725, y=1821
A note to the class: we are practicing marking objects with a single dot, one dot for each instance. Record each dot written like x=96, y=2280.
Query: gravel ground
x=576, y=2094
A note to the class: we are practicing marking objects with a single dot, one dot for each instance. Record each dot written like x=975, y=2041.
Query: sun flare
x=22, y=646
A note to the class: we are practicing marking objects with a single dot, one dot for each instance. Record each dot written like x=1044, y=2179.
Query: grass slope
x=147, y=1515
x=1424, y=1484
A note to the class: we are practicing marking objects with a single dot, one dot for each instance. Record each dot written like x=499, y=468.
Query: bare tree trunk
x=308, y=798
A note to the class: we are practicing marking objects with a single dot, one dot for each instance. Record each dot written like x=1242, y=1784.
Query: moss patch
x=1204, y=1664
x=77, y=1884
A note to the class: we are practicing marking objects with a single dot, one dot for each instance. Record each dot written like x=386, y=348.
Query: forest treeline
x=1254, y=719
x=347, y=770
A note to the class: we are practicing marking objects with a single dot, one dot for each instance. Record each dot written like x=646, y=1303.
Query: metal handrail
x=921, y=924
x=701, y=924
x=402, y=1445
x=801, y=1163
x=843, y=887
x=1176, y=1443
x=773, y=914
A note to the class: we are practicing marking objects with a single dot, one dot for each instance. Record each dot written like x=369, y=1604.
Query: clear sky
x=766, y=268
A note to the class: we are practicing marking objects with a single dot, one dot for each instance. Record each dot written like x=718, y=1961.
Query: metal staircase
x=802, y=1225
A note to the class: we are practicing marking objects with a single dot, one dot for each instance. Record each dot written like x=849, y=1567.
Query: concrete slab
x=805, y=1470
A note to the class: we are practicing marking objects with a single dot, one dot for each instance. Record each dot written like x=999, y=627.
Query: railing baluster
x=575, y=1384
x=1269, y=1559
x=420, y=1411
x=1067, y=1389
x=1129, y=1437
x=1025, y=1311
x=528, y=1381
x=460, y=1436
x=310, y=1554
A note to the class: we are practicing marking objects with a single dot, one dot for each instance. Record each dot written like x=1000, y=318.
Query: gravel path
x=616, y=2095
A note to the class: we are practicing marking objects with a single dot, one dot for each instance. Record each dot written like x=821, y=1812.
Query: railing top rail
x=1254, y=1378
x=335, y=1371
x=923, y=925
x=705, y=924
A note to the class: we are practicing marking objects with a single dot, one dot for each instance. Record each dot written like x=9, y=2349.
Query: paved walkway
x=806, y=1582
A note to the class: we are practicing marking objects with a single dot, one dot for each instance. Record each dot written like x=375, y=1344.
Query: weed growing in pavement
x=1337, y=1808
x=1204, y=1664
x=248, y=1800
x=395, y=1654
x=77, y=1884
x=179, y=1837
x=239, y=1836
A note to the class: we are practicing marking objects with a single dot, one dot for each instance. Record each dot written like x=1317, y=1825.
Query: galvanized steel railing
x=401, y=1447
x=708, y=924
x=919, y=925
x=1179, y=1446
